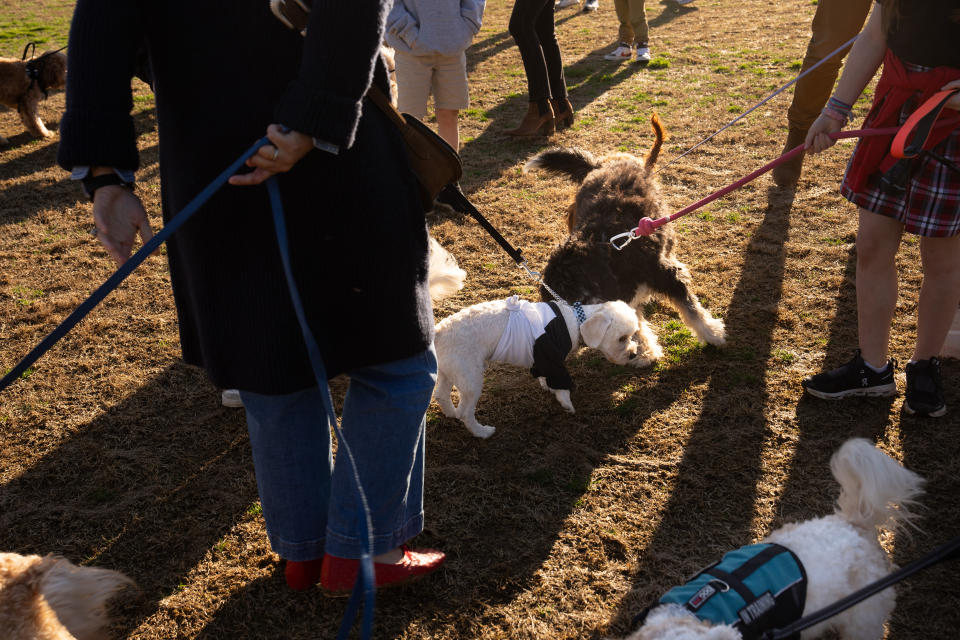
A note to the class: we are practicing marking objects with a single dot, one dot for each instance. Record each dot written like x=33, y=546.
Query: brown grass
x=114, y=453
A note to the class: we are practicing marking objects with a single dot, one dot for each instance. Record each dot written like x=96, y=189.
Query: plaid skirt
x=929, y=205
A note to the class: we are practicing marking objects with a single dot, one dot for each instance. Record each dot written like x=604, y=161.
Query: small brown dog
x=49, y=598
x=24, y=83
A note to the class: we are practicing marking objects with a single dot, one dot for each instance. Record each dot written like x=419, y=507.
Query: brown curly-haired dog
x=49, y=598
x=24, y=83
x=615, y=193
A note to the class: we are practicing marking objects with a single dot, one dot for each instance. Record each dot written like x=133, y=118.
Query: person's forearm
x=864, y=59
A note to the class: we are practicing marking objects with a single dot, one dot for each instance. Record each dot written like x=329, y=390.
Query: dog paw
x=715, y=332
x=563, y=397
x=482, y=431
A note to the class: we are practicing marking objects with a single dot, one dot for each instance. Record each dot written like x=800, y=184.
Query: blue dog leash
x=120, y=274
x=364, y=590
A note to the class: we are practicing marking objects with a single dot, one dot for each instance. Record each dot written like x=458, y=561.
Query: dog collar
x=578, y=311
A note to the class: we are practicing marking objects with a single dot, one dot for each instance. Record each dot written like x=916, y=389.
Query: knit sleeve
x=97, y=127
x=340, y=52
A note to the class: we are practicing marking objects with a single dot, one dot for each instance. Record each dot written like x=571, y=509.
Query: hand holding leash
x=819, y=136
x=119, y=217
x=285, y=150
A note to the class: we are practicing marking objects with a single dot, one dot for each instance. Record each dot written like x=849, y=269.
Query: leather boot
x=787, y=174
x=562, y=113
x=534, y=124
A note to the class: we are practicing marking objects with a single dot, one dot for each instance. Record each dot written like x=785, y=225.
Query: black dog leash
x=451, y=195
x=949, y=551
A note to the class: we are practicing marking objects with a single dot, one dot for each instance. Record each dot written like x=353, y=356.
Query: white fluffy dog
x=525, y=334
x=839, y=554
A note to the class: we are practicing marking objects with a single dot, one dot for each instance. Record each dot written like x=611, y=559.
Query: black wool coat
x=222, y=71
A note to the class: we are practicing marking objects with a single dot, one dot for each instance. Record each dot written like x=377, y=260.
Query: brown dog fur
x=18, y=92
x=614, y=194
x=49, y=598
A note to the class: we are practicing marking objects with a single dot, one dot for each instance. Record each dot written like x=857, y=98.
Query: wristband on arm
x=91, y=183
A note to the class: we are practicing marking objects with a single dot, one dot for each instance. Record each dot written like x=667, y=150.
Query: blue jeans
x=310, y=503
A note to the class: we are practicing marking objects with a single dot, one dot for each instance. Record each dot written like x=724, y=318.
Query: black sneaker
x=852, y=379
x=924, y=389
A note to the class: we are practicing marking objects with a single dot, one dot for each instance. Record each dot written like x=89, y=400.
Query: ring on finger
x=276, y=152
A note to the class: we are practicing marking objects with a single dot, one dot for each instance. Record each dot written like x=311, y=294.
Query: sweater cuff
x=95, y=139
x=320, y=114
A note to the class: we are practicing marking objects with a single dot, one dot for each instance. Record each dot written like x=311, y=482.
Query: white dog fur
x=839, y=552
x=466, y=341
x=444, y=276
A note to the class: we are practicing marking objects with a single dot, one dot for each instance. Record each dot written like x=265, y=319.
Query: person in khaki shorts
x=430, y=38
x=835, y=22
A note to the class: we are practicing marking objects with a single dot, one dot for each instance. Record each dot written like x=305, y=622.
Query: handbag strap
x=378, y=98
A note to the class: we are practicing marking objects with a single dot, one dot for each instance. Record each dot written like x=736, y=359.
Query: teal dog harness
x=754, y=588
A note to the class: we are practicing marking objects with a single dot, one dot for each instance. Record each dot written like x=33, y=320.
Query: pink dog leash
x=646, y=226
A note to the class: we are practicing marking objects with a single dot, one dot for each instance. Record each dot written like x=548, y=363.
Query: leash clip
x=530, y=272
x=624, y=238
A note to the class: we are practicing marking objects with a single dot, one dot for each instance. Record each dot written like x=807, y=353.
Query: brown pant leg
x=622, y=8
x=835, y=22
x=633, y=21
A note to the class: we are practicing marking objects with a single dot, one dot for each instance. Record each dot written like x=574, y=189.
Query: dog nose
x=632, y=355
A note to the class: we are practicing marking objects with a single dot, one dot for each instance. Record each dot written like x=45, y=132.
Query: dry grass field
x=114, y=453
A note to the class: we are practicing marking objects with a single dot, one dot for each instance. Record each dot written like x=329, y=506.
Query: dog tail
x=570, y=162
x=651, y=158
x=79, y=595
x=875, y=490
x=444, y=275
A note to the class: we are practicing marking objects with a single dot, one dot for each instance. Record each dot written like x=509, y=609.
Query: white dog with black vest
x=538, y=336
x=801, y=567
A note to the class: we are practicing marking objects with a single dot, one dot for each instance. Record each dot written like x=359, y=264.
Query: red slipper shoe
x=302, y=575
x=339, y=574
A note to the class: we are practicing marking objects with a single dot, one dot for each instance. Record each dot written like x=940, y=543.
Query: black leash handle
x=949, y=551
x=452, y=196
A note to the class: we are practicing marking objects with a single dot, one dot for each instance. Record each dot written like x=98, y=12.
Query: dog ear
x=593, y=329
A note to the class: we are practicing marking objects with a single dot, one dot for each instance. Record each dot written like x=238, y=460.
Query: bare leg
x=939, y=294
x=447, y=127
x=878, y=238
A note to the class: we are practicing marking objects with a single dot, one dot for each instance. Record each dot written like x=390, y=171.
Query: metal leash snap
x=530, y=272
x=627, y=237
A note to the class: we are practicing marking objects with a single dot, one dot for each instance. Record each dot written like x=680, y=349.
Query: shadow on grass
x=24, y=199
x=930, y=448
x=146, y=488
x=490, y=46
x=587, y=79
x=712, y=505
x=671, y=11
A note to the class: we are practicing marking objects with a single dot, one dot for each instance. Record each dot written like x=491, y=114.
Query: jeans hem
x=297, y=551
x=343, y=546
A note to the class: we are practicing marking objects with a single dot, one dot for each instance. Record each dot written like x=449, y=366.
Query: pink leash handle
x=646, y=226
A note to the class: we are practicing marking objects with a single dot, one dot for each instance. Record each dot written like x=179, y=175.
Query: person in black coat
x=358, y=247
